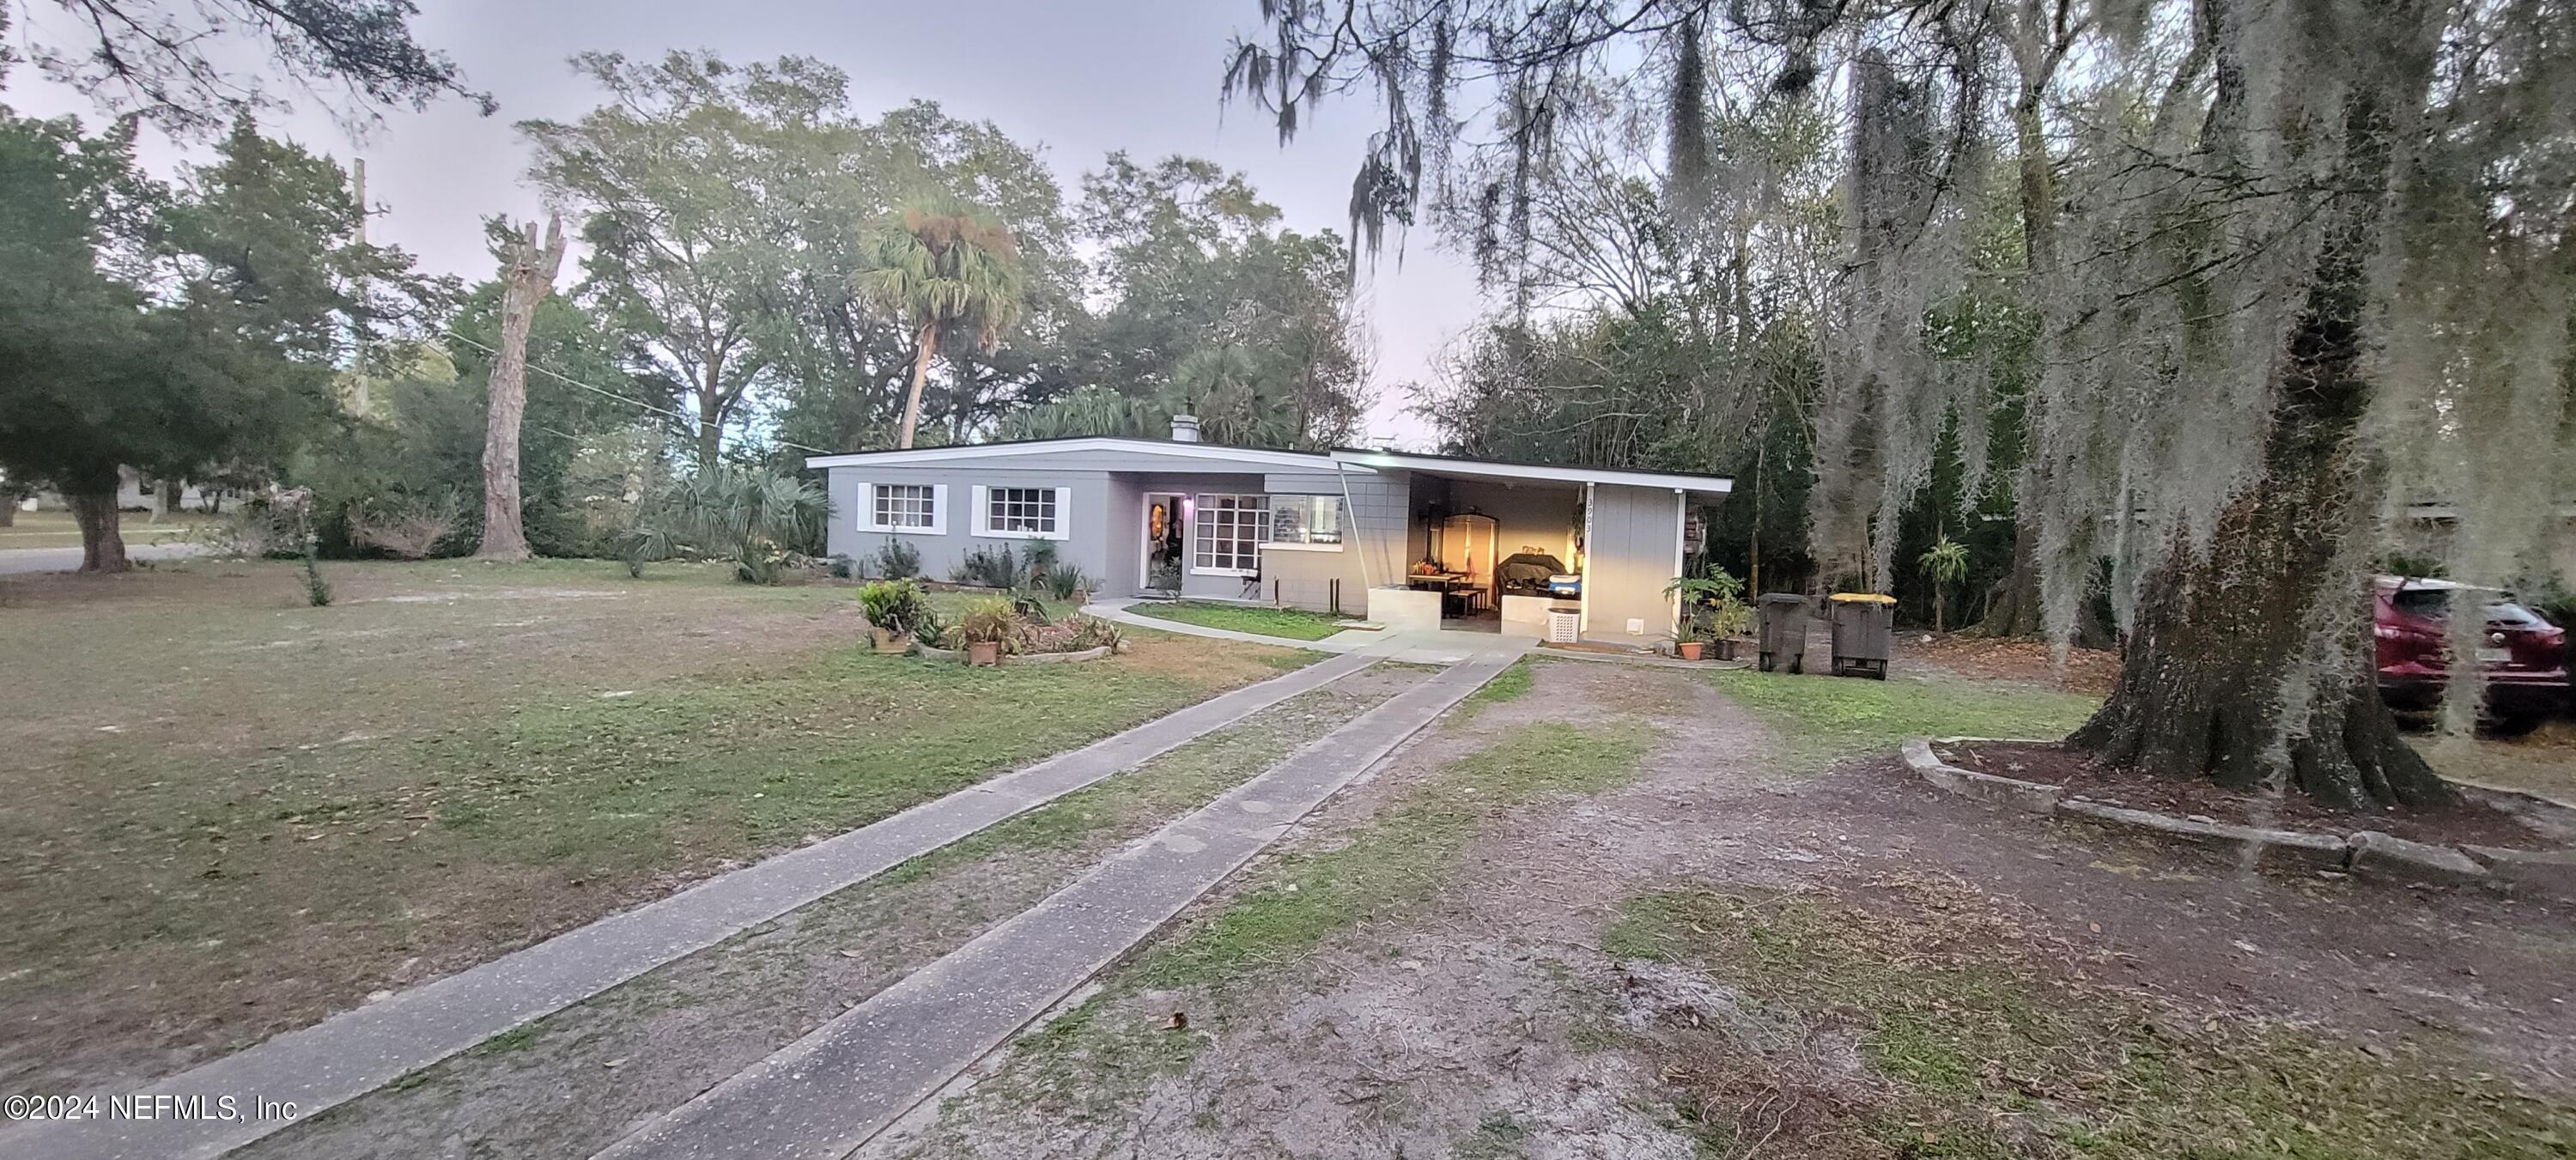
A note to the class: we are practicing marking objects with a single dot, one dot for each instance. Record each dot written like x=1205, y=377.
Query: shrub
x=256, y=529
x=898, y=560
x=1092, y=632
x=898, y=606
x=410, y=527
x=986, y=620
x=988, y=568
x=317, y=591
x=1072, y=634
x=1038, y=562
x=1064, y=580
x=759, y=520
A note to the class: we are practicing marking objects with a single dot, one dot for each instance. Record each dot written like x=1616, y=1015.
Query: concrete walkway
x=20, y=560
x=828, y=1093
x=1340, y=642
x=1412, y=646
x=358, y=1051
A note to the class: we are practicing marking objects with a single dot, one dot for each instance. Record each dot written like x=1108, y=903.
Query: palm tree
x=755, y=518
x=936, y=266
x=1947, y=564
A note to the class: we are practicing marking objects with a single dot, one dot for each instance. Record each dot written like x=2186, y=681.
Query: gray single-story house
x=1410, y=541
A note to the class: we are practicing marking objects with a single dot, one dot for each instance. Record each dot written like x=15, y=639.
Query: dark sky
x=1079, y=78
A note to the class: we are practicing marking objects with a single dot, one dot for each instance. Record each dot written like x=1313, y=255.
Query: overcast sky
x=1076, y=79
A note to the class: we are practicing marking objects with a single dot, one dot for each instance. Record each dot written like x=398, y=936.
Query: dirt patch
x=1986, y=658
x=1457, y=1024
x=1504, y=1013
x=2542, y=761
x=569, y=1084
x=2471, y=821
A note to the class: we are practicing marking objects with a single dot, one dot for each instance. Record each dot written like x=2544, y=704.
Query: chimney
x=1185, y=428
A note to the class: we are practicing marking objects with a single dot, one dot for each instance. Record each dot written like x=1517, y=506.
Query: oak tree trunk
x=8, y=511
x=2224, y=675
x=2012, y=605
x=530, y=274
x=102, y=541
x=927, y=346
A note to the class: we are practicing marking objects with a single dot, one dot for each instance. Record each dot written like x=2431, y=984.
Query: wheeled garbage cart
x=1863, y=621
x=1784, y=631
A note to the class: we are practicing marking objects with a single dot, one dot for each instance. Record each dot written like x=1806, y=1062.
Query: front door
x=1165, y=540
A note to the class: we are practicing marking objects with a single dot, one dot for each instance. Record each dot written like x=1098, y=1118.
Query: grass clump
x=1403, y=858
x=1822, y=720
x=1987, y=1051
x=1511, y=684
x=1291, y=623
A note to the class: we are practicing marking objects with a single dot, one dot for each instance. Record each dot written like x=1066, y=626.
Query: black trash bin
x=1784, y=631
x=1863, y=622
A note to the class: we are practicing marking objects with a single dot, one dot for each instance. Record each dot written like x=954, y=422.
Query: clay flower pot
x=984, y=652
x=1688, y=649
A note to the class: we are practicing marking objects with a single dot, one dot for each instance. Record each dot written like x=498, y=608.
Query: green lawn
x=1989, y=1049
x=234, y=813
x=1291, y=623
x=55, y=529
x=1822, y=720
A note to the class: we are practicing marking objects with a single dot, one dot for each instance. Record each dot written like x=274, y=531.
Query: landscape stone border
x=2371, y=850
x=945, y=654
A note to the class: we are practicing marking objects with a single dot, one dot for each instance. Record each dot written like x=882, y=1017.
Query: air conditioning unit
x=1564, y=627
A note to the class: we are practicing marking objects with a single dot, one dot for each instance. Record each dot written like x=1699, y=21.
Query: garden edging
x=946, y=654
x=2368, y=850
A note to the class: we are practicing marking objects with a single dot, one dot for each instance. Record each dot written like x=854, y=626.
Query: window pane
x=902, y=505
x=1230, y=529
x=1021, y=509
x=1305, y=519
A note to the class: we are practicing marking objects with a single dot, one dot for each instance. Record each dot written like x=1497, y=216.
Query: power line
x=559, y=376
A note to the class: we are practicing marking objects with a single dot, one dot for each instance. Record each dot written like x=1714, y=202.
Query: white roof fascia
x=1704, y=485
x=1260, y=459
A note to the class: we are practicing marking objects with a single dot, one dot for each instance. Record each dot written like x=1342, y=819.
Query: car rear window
x=2434, y=603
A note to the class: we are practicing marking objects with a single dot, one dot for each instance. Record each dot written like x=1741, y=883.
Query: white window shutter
x=863, y=506
x=1063, y=515
x=980, y=510
x=938, y=509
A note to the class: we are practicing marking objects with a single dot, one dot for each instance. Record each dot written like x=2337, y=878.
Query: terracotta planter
x=890, y=641
x=984, y=652
x=1688, y=649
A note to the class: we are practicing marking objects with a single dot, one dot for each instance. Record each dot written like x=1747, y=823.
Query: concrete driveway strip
x=357, y=1051
x=828, y=1093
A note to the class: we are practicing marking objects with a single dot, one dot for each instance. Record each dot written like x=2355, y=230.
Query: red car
x=2525, y=656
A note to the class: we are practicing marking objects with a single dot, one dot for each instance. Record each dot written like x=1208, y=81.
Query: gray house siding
x=1629, y=557
x=1373, y=542
x=1102, y=516
x=1084, y=517
x=1632, y=531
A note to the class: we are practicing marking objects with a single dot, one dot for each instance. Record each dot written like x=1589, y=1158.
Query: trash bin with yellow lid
x=1863, y=623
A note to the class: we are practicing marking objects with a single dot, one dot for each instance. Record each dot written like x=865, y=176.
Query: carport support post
x=1681, y=536
x=1353, y=513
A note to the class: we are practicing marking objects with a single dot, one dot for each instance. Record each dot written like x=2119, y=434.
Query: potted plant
x=1716, y=595
x=1730, y=621
x=897, y=612
x=987, y=626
